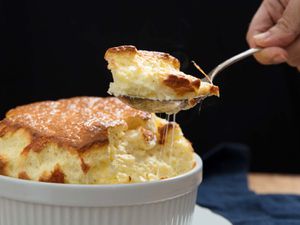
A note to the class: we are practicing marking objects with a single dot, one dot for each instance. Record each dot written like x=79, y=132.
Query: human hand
x=276, y=28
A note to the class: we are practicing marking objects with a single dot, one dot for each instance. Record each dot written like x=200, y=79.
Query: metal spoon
x=212, y=74
x=174, y=106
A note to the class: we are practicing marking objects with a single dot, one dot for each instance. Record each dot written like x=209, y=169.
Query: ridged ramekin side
x=175, y=211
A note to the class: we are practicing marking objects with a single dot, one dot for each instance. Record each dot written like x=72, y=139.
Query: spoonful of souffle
x=152, y=81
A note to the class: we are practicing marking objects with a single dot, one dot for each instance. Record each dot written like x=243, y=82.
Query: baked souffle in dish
x=152, y=75
x=90, y=140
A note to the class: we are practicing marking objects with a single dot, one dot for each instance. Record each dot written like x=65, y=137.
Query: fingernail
x=262, y=36
x=279, y=59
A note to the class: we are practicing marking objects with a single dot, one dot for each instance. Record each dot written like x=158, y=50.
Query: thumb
x=286, y=29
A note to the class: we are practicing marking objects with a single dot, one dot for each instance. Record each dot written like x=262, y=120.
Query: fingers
x=276, y=27
x=260, y=23
x=286, y=29
x=272, y=55
x=276, y=55
x=293, y=51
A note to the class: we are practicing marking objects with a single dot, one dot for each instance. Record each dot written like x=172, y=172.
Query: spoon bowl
x=158, y=106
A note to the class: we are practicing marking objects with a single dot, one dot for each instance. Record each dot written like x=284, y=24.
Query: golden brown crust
x=2, y=129
x=6, y=128
x=23, y=175
x=85, y=167
x=121, y=49
x=3, y=165
x=196, y=83
x=214, y=90
x=163, y=132
x=181, y=85
x=57, y=176
x=36, y=144
x=130, y=49
x=147, y=134
x=79, y=122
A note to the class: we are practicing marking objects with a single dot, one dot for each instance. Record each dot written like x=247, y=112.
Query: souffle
x=152, y=75
x=89, y=140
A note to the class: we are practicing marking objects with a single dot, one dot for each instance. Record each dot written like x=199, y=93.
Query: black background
x=52, y=50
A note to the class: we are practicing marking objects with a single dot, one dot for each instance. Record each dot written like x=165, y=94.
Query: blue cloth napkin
x=225, y=191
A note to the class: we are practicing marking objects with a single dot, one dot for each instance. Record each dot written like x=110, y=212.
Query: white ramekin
x=166, y=202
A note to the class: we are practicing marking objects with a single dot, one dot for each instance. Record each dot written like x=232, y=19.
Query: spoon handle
x=232, y=60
